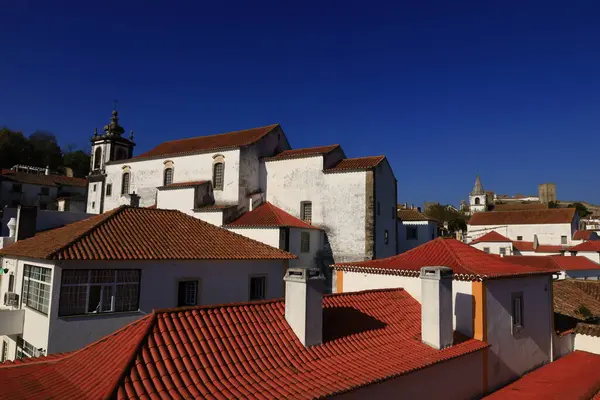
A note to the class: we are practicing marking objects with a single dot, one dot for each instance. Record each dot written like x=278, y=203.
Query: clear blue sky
x=507, y=89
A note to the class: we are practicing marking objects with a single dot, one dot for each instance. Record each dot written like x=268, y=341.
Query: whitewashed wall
x=181, y=199
x=546, y=233
x=462, y=293
x=46, y=219
x=510, y=356
x=592, y=255
x=588, y=343
x=29, y=196
x=214, y=217
x=425, y=232
x=495, y=247
x=94, y=197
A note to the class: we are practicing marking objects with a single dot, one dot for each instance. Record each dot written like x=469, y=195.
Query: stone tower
x=547, y=192
x=477, y=197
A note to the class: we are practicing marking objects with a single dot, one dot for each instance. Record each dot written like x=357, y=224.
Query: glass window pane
x=127, y=297
x=94, y=299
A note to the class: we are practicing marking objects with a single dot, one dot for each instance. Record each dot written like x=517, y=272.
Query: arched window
x=97, y=158
x=168, y=176
x=125, y=184
x=477, y=201
x=218, y=175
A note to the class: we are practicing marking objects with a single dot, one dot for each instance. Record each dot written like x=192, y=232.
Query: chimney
x=47, y=171
x=132, y=200
x=437, y=328
x=69, y=172
x=304, y=304
x=12, y=227
x=406, y=205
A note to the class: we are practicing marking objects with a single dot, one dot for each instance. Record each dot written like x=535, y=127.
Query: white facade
x=547, y=234
x=588, y=343
x=218, y=282
x=505, y=248
x=412, y=234
x=592, y=255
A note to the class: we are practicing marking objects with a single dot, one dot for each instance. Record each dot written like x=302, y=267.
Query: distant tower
x=109, y=146
x=547, y=192
x=477, y=198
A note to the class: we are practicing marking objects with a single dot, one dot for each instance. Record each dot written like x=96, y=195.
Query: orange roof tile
x=525, y=217
x=244, y=350
x=128, y=233
x=562, y=263
x=414, y=215
x=201, y=144
x=572, y=377
x=569, y=296
x=542, y=248
x=591, y=245
x=42, y=180
x=467, y=262
x=588, y=329
x=583, y=235
x=307, y=152
x=267, y=215
x=353, y=164
x=491, y=236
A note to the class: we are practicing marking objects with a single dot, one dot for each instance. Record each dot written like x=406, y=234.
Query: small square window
x=519, y=237
x=502, y=251
x=258, y=287
x=486, y=250
x=306, y=211
x=187, y=294
x=93, y=204
x=304, y=242
x=94, y=187
x=563, y=240
x=517, y=312
x=109, y=189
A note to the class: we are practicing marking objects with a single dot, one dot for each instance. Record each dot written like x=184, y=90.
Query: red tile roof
x=180, y=185
x=308, y=152
x=523, y=245
x=562, y=263
x=572, y=377
x=569, y=297
x=525, y=217
x=244, y=350
x=42, y=180
x=467, y=262
x=588, y=329
x=491, y=236
x=201, y=144
x=591, y=245
x=413, y=215
x=354, y=164
x=519, y=206
x=267, y=215
x=583, y=235
x=128, y=233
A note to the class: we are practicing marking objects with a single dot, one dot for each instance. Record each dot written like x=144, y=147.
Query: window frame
x=303, y=205
x=89, y=284
x=563, y=239
x=386, y=236
x=215, y=175
x=186, y=281
x=94, y=187
x=517, y=326
x=486, y=250
x=502, y=251
x=125, y=183
x=304, y=242
x=4, y=354
x=519, y=237
x=168, y=176
x=108, y=189
x=264, y=279
x=25, y=348
x=26, y=288
x=97, y=158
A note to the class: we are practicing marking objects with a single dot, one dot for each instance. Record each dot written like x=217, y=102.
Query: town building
x=31, y=186
x=67, y=287
x=494, y=243
x=507, y=305
x=589, y=249
x=415, y=229
x=478, y=199
x=569, y=267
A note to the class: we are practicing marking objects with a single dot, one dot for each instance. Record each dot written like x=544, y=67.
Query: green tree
x=581, y=209
x=77, y=160
x=14, y=148
x=45, y=150
x=457, y=220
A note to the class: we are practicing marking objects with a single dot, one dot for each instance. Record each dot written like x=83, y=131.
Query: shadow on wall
x=464, y=313
x=324, y=259
x=339, y=322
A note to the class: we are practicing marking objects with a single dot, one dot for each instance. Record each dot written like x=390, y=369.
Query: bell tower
x=477, y=198
x=106, y=147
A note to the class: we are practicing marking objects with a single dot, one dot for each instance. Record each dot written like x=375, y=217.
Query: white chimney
x=436, y=307
x=304, y=304
x=12, y=227
x=47, y=172
x=131, y=199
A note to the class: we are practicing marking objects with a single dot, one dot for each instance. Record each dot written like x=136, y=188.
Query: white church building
x=219, y=178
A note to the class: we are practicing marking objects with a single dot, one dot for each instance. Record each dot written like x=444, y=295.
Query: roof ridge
x=223, y=133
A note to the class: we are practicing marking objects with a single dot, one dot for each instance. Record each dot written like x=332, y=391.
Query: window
x=477, y=201
x=93, y=204
x=188, y=294
x=168, y=178
x=517, y=312
x=258, y=286
x=306, y=211
x=304, y=242
x=519, y=237
x=378, y=208
x=11, y=283
x=44, y=191
x=412, y=233
x=502, y=251
x=284, y=239
x=92, y=291
x=125, y=184
x=108, y=189
x=486, y=250
x=563, y=240
x=17, y=187
x=36, y=288
x=4, y=355
x=25, y=349
x=386, y=238
x=218, y=175
x=94, y=187
x=97, y=158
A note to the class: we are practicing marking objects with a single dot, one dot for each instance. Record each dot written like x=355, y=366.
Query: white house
x=589, y=249
x=555, y=226
x=70, y=286
x=569, y=267
x=415, y=229
x=494, y=243
x=509, y=306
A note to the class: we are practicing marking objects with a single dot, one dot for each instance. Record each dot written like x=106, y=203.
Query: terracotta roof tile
x=201, y=144
x=569, y=297
x=572, y=377
x=267, y=215
x=414, y=215
x=307, y=152
x=562, y=263
x=128, y=233
x=43, y=180
x=491, y=236
x=244, y=350
x=549, y=216
x=354, y=164
x=180, y=185
x=591, y=245
x=467, y=262
x=583, y=235
x=588, y=329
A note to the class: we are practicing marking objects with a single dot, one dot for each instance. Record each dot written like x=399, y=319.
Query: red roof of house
x=129, y=233
x=200, y=144
x=467, y=262
x=572, y=377
x=353, y=164
x=518, y=206
x=491, y=236
x=524, y=217
x=244, y=350
x=570, y=294
x=41, y=179
x=591, y=245
x=413, y=215
x=553, y=263
x=307, y=152
x=268, y=215
x=583, y=235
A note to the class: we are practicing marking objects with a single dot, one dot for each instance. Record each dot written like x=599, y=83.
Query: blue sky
x=507, y=89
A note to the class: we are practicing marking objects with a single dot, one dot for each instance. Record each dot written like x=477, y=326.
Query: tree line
x=41, y=149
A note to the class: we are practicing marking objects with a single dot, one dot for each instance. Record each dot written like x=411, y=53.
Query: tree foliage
x=457, y=220
x=40, y=149
x=581, y=209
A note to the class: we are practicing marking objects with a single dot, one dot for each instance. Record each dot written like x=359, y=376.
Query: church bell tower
x=477, y=198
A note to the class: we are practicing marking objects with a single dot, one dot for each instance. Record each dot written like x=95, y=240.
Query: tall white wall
x=546, y=233
x=181, y=199
x=495, y=247
x=592, y=255
x=268, y=236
